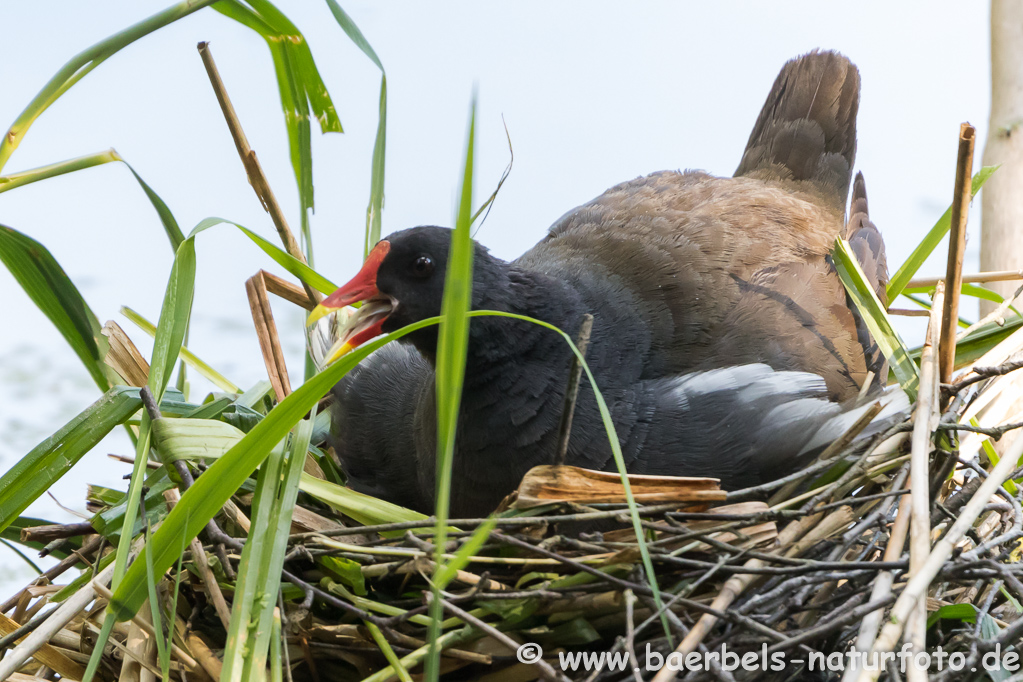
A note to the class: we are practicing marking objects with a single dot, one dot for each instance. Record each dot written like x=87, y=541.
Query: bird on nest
x=723, y=340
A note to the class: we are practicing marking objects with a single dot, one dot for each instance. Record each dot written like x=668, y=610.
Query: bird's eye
x=422, y=266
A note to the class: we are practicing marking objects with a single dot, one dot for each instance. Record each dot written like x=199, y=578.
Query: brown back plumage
x=736, y=270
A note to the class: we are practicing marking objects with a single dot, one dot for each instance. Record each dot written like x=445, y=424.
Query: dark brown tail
x=866, y=242
x=806, y=131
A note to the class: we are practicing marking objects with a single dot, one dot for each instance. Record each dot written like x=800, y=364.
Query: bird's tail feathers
x=806, y=131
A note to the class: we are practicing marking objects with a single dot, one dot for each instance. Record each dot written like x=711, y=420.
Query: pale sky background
x=593, y=94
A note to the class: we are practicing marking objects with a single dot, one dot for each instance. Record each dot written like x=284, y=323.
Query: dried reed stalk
x=252, y=168
x=925, y=419
x=956, y=249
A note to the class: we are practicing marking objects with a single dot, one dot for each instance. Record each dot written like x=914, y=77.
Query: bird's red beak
x=367, y=322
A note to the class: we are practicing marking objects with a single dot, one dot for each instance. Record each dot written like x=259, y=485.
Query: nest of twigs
x=808, y=566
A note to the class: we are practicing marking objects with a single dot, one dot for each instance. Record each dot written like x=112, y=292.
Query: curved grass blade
x=283, y=258
x=84, y=62
x=50, y=460
x=15, y=180
x=365, y=509
x=376, y=193
x=27, y=177
x=170, y=332
x=924, y=249
x=49, y=287
x=875, y=317
x=449, y=372
x=170, y=225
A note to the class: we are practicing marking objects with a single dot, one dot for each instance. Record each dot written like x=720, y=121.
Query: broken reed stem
x=925, y=419
x=39, y=637
x=252, y=168
x=975, y=278
x=75, y=557
x=916, y=588
x=956, y=248
x=284, y=289
x=266, y=331
x=575, y=374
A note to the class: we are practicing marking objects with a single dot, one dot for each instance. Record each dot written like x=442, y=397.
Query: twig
x=925, y=418
x=983, y=373
x=202, y=563
x=994, y=316
x=575, y=374
x=956, y=248
x=916, y=588
x=70, y=608
x=732, y=588
x=882, y=589
x=252, y=168
x=49, y=533
x=76, y=557
x=546, y=671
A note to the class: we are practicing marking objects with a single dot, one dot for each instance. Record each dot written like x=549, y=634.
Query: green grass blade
x=50, y=460
x=170, y=225
x=215, y=377
x=170, y=331
x=385, y=647
x=374, y=211
x=283, y=258
x=24, y=557
x=353, y=32
x=49, y=287
x=875, y=317
x=376, y=194
x=924, y=249
x=452, y=345
x=300, y=87
x=27, y=177
x=84, y=62
x=15, y=180
x=365, y=509
x=259, y=574
x=211, y=490
x=443, y=577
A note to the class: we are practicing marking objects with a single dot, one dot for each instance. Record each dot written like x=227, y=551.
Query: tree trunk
x=1001, y=246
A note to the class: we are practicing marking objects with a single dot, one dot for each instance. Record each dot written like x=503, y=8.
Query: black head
x=402, y=281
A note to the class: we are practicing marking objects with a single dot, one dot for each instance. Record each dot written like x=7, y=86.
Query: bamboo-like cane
x=956, y=248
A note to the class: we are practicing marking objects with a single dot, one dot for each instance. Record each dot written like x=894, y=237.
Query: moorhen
x=723, y=341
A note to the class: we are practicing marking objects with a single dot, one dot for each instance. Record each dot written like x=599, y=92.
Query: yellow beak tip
x=338, y=351
x=318, y=313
